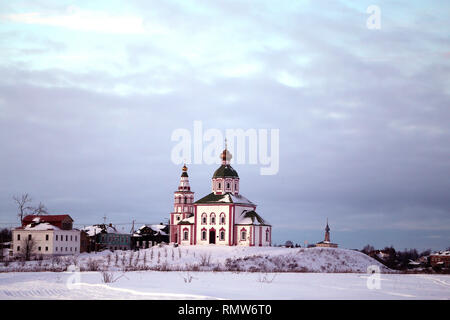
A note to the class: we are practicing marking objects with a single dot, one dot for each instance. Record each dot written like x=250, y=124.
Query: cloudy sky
x=91, y=92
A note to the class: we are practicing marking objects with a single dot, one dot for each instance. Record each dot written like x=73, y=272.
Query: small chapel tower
x=327, y=233
x=327, y=242
x=183, y=206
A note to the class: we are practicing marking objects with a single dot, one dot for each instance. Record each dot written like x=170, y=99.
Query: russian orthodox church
x=223, y=217
x=326, y=242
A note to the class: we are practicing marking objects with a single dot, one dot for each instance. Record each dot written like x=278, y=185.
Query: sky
x=91, y=92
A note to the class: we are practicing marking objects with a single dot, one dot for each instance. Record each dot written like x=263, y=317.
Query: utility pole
x=132, y=227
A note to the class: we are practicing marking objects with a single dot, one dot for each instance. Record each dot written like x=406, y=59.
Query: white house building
x=223, y=217
x=46, y=235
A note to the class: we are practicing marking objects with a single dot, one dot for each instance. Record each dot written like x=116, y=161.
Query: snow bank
x=306, y=260
x=212, y=258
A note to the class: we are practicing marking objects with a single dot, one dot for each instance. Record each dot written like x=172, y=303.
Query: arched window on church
x=185, y=235
x=213, y=218
x=204, y=221
x=222, y=218
x=203, y=235
x=243, y=235
x=222, y=236
x=267, y=234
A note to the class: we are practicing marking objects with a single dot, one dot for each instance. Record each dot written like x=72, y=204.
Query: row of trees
x=393, y=259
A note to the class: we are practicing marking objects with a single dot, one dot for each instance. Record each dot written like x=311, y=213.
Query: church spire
x=327, y=233
x=183, y=206
x=184, y=181
x=184, y=169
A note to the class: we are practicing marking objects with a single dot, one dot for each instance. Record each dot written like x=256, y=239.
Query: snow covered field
x=220, y=285
x=210, y=272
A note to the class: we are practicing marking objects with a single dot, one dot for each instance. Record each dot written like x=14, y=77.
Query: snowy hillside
x=211, y=258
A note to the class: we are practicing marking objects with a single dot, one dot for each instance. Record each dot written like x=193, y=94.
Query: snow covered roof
x=441, y=253
x=326, y=242
x=190, y=220
x=41, y=226
x=251, y=218
x=224, y=198
x=100, y=228
x=92, y=230
x=156, y=228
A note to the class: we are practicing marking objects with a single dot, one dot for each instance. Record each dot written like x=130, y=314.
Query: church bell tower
x=183, y=206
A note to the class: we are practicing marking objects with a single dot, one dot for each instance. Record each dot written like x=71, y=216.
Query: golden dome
x=226, y=155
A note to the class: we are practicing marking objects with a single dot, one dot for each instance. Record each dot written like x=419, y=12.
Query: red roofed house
x=46, y=235
x=441, y=259
x=62, y=221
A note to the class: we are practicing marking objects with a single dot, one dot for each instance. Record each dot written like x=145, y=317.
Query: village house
x=105, y=236
x=440, y=259
x=85, y=242
x=46, y=235
x=149, y=235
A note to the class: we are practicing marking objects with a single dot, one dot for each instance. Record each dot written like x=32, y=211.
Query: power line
x=117, y=224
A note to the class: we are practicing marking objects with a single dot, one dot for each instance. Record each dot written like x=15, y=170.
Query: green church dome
x=225, y=171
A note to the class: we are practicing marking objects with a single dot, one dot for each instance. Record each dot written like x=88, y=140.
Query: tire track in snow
x=404, y=295
x=159, y=295
x=37, y=290
x=437, y=281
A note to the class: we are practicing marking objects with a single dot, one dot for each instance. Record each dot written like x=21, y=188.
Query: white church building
x=223, y=217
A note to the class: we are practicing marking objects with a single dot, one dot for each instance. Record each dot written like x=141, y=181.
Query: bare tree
x=40, y=209
x=28, y=246
x=368, y=249
x=23, y=205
